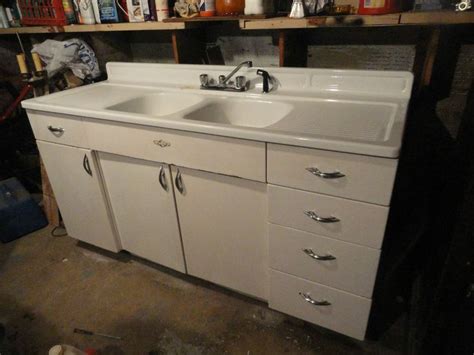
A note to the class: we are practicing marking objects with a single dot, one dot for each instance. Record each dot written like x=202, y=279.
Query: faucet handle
x=240, y=82
x=204, y=78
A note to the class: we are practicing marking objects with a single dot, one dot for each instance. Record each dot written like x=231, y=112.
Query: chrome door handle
x=308, y=299
x=317, y=218
x=162, y=179
x=313, y=255
x=86, y=165
x=319, y=173
x=55, y=129
x=179, y=181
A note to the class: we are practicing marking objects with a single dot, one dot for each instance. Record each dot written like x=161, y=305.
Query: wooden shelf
x=437, y=18
x=404, y=18
x=126, y=26
x=217, y=18
x=253, y=23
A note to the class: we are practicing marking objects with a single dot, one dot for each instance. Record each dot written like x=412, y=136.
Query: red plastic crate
x=42, y=12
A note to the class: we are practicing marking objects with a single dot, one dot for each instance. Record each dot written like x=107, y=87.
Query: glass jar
x=230, y=7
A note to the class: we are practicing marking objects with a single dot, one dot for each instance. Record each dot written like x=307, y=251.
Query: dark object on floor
x=19, y=214
x=89, y=332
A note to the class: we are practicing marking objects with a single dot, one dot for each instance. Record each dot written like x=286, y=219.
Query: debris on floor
x=153, y=310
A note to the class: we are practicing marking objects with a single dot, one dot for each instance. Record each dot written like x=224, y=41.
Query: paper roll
x=37, y=61
x=22, y=63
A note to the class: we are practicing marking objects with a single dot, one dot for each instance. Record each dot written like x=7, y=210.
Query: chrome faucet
x=224, y=82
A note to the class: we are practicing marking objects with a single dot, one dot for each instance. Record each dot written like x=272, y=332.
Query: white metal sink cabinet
x=77, y=185
x=142, y=199
x=223, y=228
x=180, y=177
x=221, y=219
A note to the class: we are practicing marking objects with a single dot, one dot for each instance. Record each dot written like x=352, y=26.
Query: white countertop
x=312, y=123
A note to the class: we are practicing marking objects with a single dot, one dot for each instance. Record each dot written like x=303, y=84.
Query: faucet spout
x=224, y=84
x=248, y=63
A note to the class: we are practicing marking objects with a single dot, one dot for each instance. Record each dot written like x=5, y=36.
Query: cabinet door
x=141, y=195
x=77, y=186
x=223, y=227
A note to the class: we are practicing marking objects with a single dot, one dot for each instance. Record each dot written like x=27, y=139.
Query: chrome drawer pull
x=86, y=165
x=317, y=218
x=319, y=173
x=308, y=299
x=55, y=129
x=312, y=254
x=162, y=179
x=179, y=182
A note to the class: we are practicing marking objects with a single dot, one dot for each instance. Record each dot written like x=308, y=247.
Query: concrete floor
x=51, y=285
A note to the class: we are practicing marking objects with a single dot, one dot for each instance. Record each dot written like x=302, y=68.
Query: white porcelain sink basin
x=158, y=104
x=237, y=112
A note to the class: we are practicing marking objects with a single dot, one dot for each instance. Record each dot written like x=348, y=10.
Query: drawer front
x=330, y=262
x=365, y=178
x=55, y=128
x=347, y=314
x=351, y=221
x=229, y=156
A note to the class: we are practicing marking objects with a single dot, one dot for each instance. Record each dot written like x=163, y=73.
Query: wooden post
x=293, y=48
x=281, y=47
x=50, y=205
x=188, y=47
x=425, y=56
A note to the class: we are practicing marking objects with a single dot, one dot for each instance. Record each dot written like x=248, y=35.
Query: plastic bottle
x=254, y=7
x=108, y=11
x=69, y=12
x=297, y=9
x=207, y=8
x=95, y=6
x=87, y=12
x=3, y=18
x=162, y=10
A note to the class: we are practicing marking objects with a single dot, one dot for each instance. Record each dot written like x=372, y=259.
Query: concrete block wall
x=371, y=57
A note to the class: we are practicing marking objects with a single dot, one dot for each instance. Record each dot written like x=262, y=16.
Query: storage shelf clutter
x=247, y=23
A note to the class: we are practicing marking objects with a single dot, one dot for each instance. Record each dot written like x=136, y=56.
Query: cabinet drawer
x=58, y=129
x=229, y=156
x=353, y=268
x=355, y=222
x=365, y=178
x=347, y=314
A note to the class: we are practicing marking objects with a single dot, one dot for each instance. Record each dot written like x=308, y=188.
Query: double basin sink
x=359, y=112
x=224, y=110
x=368, y=121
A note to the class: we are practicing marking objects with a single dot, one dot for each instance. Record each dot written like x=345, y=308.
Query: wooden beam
x=425, y=56
x=174, y=43
x=188, y=47
x=321, y=21
x=281, y=48
x=125, y=26
x=436, y=18
x=293, y=48
x=50, y=206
